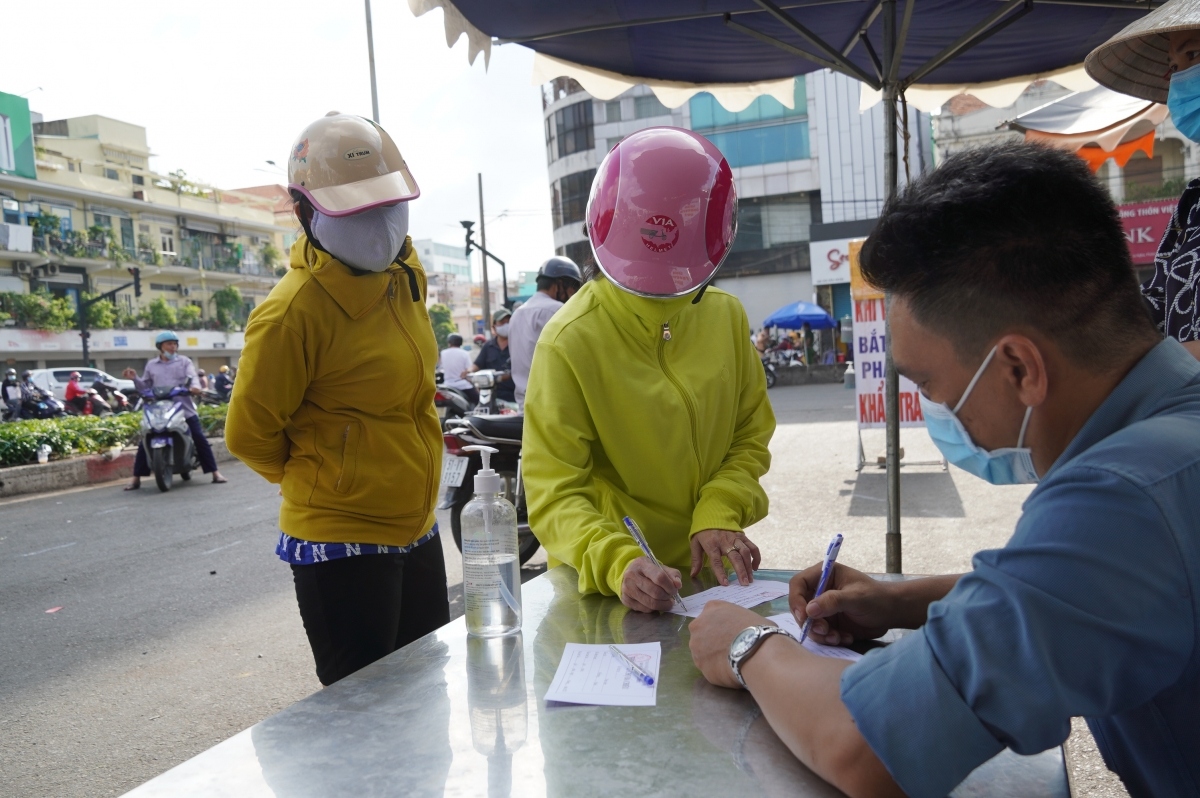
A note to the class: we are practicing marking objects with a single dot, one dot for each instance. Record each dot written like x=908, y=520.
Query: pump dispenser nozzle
x=487, y=480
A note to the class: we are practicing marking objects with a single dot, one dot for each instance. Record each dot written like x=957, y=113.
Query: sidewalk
x=75, y=472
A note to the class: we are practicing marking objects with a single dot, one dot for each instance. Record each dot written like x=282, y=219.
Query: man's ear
x=1023, y=365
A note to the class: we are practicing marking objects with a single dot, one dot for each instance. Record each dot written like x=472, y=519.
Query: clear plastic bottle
x=491, y=566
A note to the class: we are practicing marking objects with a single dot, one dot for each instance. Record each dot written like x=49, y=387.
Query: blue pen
x=637, y=672
x=644, y=545
x=831, y=554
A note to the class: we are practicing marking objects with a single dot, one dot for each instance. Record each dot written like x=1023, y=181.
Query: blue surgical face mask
x=170, y=355
x=1183, y=100
x=1001, y=466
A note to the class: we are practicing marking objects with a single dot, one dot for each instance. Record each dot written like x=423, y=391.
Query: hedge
x=71, y=435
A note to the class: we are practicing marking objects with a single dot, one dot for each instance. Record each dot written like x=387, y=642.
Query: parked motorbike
x=489, y=404
x=771, y=374
x=459, y=468
x=166, y=437
x=450, y=402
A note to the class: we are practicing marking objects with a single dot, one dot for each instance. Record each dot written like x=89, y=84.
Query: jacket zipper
x=421, y=365
x=687, y=401
x=345, y=441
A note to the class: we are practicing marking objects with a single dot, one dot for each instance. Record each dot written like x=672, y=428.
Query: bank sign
x=1145, y=223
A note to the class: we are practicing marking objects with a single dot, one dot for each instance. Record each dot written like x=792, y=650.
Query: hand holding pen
x=831, y=554
x=647, y=585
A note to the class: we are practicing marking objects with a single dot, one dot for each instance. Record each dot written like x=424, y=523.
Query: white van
x=55, y=380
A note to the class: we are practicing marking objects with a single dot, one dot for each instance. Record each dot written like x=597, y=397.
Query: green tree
x=41, y=311
x=101, y=315
x=189, y=317
x=160, y=315
x=443, y=326
x=270, y=256
x=228, y=302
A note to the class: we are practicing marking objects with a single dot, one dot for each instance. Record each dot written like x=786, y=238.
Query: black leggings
x=361, y=608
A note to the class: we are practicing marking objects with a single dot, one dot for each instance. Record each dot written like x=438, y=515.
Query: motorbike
x=771, y=374
x=502, y=433
x=450, y=402
x=119, y=401
x=489, y=403
x=166, y=437
x=39, y=406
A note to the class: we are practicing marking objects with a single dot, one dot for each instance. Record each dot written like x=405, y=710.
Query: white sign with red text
x=830, y=261
x=870, y=359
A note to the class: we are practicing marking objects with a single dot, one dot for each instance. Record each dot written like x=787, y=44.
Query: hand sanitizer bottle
x=491, y=567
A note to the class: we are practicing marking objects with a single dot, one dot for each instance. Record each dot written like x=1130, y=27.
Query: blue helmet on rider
x=163, y=337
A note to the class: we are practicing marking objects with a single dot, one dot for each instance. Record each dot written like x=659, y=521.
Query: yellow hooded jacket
x=334, y=400
x=621, y=421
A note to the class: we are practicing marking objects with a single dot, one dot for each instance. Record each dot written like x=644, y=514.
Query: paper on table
x=750, y=595
x=593, y=674
x=787, y=622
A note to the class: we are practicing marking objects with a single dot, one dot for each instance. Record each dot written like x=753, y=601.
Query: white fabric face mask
x=370, y=240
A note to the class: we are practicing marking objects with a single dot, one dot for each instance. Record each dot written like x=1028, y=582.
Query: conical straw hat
x=1135, y=60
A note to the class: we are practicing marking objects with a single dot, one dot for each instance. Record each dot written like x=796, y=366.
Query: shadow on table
x=929, y=494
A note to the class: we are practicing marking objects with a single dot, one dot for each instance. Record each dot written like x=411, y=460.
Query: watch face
x=743, y=642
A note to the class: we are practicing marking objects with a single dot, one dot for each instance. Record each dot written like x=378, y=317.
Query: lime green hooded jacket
x=655, y=409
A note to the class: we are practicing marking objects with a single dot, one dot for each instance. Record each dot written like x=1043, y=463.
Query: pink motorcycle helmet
x=662, y=212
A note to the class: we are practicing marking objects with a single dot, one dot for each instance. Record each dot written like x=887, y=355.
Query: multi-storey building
x=817, y=161
x=81, y=206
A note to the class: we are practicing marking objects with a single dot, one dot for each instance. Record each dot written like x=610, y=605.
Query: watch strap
x=764, y=631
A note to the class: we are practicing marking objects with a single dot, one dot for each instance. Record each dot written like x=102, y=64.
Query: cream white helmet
x=345, y=164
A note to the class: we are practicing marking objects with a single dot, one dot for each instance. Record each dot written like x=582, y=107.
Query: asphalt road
x=174, y=626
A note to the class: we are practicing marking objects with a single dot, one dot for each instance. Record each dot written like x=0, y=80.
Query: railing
x=219, y=258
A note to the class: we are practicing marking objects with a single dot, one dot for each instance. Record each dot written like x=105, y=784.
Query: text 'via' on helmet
x=662, y=213
x=346, y=164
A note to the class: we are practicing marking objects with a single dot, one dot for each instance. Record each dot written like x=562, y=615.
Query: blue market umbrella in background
x=795, y=315
x=890, y=45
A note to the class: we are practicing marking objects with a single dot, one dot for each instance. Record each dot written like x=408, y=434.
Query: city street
x=139, y=629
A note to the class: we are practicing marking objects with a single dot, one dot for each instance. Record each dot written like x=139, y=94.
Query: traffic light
x=137, y=281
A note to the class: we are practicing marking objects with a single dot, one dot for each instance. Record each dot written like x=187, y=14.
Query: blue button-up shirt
x=161, y=373
x=1091, y=609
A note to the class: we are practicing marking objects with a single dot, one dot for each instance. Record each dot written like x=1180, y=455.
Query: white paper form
x=751, y=595
x=593, y=674
x=788, y=623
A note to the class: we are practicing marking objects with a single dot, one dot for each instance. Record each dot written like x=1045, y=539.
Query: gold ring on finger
x=731, y=548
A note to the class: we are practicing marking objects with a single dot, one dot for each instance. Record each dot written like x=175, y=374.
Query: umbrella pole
x=891, y=379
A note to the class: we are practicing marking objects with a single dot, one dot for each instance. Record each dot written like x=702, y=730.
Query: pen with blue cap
x=645, y=547
x=831, y=554
x=637, y=672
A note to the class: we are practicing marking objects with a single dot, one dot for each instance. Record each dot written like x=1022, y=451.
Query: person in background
x=173, y=370
x=203, y=376
x=335, y=403
x=223, y=383
x=1006, y=270
x=1157, y=58
x=646, y=398
x=809, y=344
x=495, y=355
x=455, y=365
x=557, y=281
x=78, y=397
x=13, y=396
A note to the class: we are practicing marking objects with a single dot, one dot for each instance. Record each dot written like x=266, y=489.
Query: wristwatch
x=746, y=643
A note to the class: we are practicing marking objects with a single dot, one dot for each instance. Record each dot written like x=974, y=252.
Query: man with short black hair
x=455, y=365
x=495, y=355
x=1007, y=272
x=557, y=281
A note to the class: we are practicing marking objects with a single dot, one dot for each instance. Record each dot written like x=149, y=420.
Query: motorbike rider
x=171, y=370
x=495, y=355
x=646, y=398
x=223, y=383
x=12, y=395
x=335, y=404
x=558, y=279
x=109, y=393
x=455, y=364
x=79, y=397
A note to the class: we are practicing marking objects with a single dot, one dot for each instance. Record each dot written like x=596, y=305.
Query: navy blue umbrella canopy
x=708, y=42
x=797, y=314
